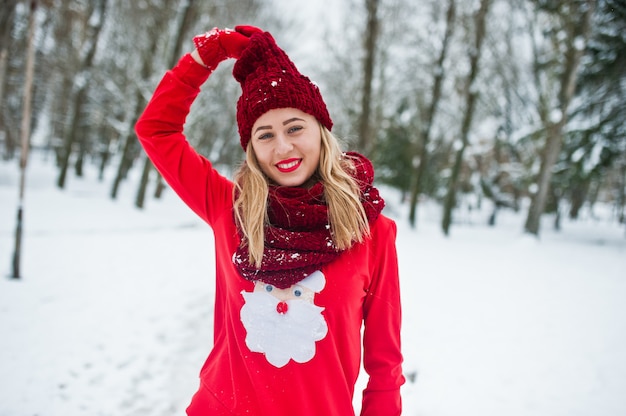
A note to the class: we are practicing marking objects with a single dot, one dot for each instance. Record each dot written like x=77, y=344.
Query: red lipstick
x=288, y=165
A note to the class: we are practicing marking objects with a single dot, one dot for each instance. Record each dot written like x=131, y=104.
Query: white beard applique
x=284, y=324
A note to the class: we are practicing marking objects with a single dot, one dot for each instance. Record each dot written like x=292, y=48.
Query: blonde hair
x=346, y=215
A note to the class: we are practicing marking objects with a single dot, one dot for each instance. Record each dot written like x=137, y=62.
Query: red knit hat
x=270, y=80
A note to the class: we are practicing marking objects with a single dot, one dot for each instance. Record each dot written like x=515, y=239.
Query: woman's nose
x=283, y=145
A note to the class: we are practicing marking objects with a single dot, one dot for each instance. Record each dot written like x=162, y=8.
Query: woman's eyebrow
x=263, y=128
x=291, y=120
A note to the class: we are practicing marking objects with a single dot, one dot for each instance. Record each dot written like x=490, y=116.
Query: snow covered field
x=113, y=315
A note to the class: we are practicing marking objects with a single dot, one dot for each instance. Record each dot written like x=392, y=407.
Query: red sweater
x=249, y=372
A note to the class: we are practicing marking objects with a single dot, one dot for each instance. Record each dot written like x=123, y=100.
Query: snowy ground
x=113, y=314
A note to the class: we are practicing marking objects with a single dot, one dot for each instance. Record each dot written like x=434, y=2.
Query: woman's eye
x=264, y=136
x=269, y=288
x=294, y=129
x=297, y=293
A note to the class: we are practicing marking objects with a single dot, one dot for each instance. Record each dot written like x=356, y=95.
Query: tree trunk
x=104, y=160
x=422, y=153
x=79, y=163
x=554, y=130
x=184, y=17
x=6, y=23
x=578, y=197
x=557, y=211
x=81, y=85
x=130, y=143
x=159, y=188
x=143, y=183
x=60, y=100
x=71, y=134
x=470, y=100
x=621, y=195
x=366, y=136
x=25, y=134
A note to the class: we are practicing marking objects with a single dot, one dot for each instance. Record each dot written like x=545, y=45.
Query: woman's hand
x=217, y=45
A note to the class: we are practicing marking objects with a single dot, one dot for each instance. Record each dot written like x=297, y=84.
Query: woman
x=303, y=255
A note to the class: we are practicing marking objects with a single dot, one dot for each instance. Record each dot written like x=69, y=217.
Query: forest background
x=457, y=101
x=500, y=112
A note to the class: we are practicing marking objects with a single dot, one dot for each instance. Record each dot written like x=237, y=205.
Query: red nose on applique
x=282, y=307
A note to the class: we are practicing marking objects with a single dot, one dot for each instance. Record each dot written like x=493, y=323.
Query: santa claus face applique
x=284, y=324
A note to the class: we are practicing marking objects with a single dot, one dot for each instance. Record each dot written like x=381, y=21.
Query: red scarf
x=298, y=240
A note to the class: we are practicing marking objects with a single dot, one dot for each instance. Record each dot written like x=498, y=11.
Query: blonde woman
x=304, y=257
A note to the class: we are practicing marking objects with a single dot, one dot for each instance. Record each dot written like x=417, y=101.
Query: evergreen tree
x=597, y=143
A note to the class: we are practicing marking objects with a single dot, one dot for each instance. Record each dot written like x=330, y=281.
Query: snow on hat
x=270, y=80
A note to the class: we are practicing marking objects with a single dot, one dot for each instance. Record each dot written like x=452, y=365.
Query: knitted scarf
x=298, y=240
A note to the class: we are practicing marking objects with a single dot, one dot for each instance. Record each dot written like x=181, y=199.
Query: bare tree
x=80, y=88
x=471, y=95
x=504, y=99
x=577, y=35
x=425, y=131
x=7, y=15
x=184, y=20
x=366, y=138
x=25, y=134
x=155, y=15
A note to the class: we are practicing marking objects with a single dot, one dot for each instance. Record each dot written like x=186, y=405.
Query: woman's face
x=287, y=144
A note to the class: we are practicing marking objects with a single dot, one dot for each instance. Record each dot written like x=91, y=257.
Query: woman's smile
x=289, y=165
